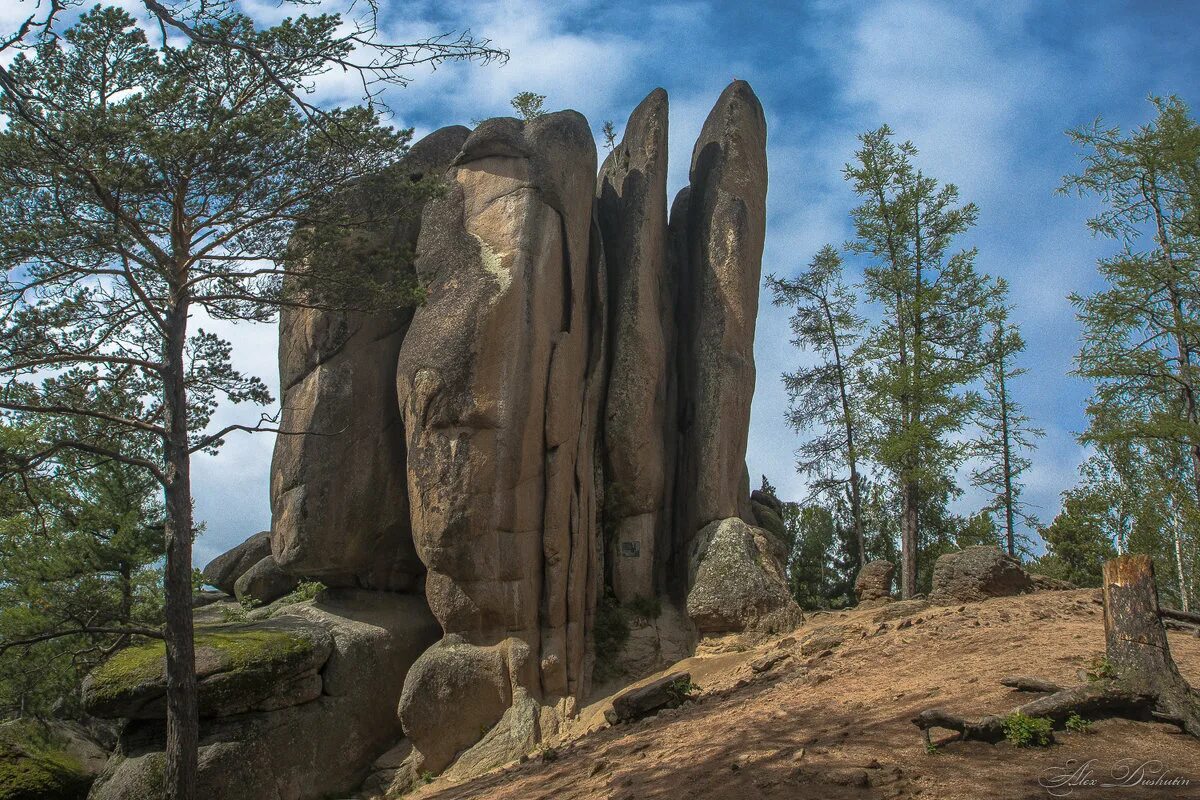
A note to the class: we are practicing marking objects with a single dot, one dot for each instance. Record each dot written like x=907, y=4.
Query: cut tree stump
x=1139, y=679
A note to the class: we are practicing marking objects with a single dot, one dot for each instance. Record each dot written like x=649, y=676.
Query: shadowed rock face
x=338, y=495
x=638, y=444
x=724, y=232
x=498, y=382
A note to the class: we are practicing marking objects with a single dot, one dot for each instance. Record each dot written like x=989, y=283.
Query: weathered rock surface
x=769, y=519
x=47, y=760
x=640, y=701
x=264, y=583
x=724, y=233
x=314, y=750
x=977, y=573
x=873, y=584
x=654, y=644
x=559, y=419
x=1044, y=583
x=239, y=668
x=499, y=380
x=738, y=582
x=338, y=495
x=224, y=570
x=638, y=442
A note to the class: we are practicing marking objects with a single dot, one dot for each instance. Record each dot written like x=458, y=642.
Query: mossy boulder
x=45, y=761
x=240, y=667
x=309, y=751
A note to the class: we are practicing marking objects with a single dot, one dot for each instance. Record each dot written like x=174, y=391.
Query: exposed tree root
x=1024, y=683
x=1141, y=680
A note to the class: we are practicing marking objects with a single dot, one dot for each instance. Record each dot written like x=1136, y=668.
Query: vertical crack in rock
x=338, y=497
x=631, y=201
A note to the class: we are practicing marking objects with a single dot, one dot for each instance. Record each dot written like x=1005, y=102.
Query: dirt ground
x=831, y=719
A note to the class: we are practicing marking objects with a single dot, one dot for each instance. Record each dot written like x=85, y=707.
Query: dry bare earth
x=832, y=720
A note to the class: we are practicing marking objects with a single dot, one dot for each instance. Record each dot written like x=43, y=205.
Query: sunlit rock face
x=549, y=432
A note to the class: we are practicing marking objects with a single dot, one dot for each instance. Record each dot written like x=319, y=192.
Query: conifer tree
x=928, y=348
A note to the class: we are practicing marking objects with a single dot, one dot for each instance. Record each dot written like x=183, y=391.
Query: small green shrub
x=1026, y=731
x=1077, y=724
x=682, y=689
x=931, y=749
x=1100, y=669
x=645, y=608
x=305, y=590
x=609, y=634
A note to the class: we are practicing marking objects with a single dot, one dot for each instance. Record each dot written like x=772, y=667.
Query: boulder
x=1044, y=583
x=264, y=583
x=631, y=209
x=239, y=668
x=737, y=581
x=499, y=383
x=977, y=573
x=769, y=519
x=767, y=499
x=641, y=701
x=224, y=570
x=47, y=760
x=722, y=236
x=339, y=501
x=318, y=749
x=873, y=584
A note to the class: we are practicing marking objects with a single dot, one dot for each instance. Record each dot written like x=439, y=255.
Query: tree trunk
x=1006, y=444
x=1184, y=589
x=1136, y=641
x=908, y=537
x=183, y=723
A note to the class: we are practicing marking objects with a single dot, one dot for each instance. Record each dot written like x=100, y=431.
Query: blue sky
x=984, y=89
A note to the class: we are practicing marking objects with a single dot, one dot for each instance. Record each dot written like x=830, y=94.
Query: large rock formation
x=499, y=383
x=563, y=418
x=338, y=496
x=722, y=232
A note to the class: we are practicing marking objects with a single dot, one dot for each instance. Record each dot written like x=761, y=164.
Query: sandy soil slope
x=830, y=719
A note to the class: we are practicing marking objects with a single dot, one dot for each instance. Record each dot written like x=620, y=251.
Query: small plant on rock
x=1100, y=669
x=1023, y=730
x=681, y=690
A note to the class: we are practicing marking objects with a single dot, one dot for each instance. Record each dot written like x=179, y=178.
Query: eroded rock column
x=638, y=443
x=498, y=382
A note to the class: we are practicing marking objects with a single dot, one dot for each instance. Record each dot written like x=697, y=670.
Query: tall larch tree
x=927, y=348
x=1006, y=435
x=826, y=398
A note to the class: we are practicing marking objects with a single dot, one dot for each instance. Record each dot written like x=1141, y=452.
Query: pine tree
x=927, y=349
x=142, y=186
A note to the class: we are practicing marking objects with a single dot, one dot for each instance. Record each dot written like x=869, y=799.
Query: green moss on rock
x=34, y=766
x=237, y=665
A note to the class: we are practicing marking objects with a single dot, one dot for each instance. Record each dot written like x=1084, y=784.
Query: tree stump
x=1139, y=681
x=1135, y=641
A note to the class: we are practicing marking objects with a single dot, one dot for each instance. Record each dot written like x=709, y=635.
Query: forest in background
x=912, y=377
